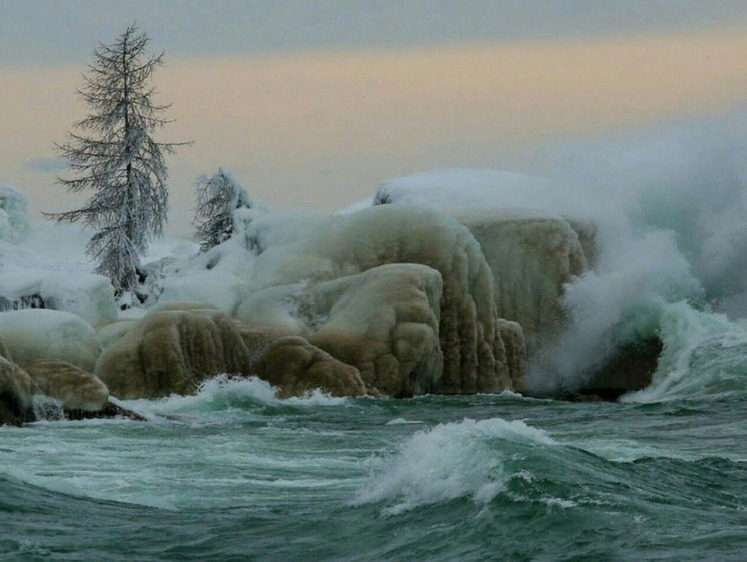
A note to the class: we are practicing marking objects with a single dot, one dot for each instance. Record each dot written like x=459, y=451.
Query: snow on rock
x=74, y=388
x=337, y=246
x=14, y=220
x=49, y=334
x=453, y=188
x=86, y=295
x=296, y=367
x=173, y=351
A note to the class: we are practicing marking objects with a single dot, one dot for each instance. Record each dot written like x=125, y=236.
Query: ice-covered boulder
x=111, y=333
x=16, y=390
x=532, y=255
x=14, y=219
x=173, y=351
x=347, y=245
x=72, y=387
x=296, y=367
x=49, y=334
x=384, y=321
x=532, y=252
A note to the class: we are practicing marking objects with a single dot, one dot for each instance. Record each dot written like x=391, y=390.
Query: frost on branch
x=218, y=199
x=114, y=155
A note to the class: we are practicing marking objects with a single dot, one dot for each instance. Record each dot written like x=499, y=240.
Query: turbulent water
x=234, y=473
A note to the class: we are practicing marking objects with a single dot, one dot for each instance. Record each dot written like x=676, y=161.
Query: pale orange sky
x=321, y=129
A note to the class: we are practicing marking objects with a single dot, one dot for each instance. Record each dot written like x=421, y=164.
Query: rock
x=532, y=255
x=16, y=390
x=384, y=322
x=72, y=387
x=516, y=353
x=173, y=351
x=49, y=334
x=296, y=367
x=631, y=368
x=348, y=245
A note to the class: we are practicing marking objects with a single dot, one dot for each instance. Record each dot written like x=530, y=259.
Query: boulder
x=173, y=351
x=296, y=367
x=630, y=368
x=347, y=245
x=16, y=390
x=532, y=255
x=384, y=321
x=49, y=334
x=72, y=387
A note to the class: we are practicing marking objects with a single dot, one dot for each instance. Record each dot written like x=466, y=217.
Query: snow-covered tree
x=114, y=155
x=218, y=198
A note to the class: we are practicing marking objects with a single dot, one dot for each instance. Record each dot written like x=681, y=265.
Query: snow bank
x=49, y=334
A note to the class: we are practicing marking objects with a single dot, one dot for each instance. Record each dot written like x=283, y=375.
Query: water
x=234, y=473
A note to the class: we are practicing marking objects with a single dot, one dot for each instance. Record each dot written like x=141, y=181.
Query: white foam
x=448, y=461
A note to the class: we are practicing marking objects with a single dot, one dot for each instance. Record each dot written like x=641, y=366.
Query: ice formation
x=16, y=389
x=296, y=368
x=49, y=334
x=89, y=296
x=532, y=255
x=342, y=245
x=74, y=388
x=173, y=351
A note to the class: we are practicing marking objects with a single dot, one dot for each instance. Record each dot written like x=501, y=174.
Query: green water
x=234, y=474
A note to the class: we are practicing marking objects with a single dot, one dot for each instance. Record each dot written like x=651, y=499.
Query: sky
x=311, y=103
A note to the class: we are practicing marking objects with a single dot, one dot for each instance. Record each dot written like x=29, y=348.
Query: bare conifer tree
x=113, y=154
x=218, y=197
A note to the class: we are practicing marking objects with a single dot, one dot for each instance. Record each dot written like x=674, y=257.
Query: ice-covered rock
x=384, y=321
x=49, y=334
x=516, y=352
x=14, y=219
x=344, y=245
x=532, y=252
x=532, y=255
x=74, y=388
x=296, y=367
x=173, y=351
x=16, y=390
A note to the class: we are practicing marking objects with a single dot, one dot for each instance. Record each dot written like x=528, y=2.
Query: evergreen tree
x=114, y=155
x=218, y=197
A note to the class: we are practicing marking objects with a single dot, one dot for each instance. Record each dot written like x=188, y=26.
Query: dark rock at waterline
x=631, y=368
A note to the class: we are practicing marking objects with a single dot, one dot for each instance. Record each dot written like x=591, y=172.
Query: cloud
x=45, y=164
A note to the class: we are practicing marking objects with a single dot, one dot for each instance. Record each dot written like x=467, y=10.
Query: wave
x=704, y=357
x=226, y=392
x=466, y=459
